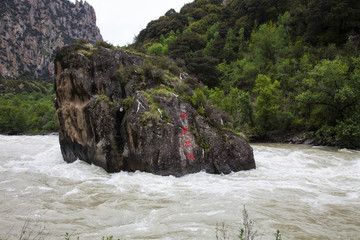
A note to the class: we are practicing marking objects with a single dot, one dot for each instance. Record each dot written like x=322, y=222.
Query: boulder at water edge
x=126, y=112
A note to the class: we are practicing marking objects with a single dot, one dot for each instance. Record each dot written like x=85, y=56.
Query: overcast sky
x=120, y=20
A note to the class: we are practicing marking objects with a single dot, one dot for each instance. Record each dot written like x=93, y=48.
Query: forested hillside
x=27, y=106
x=275, y=66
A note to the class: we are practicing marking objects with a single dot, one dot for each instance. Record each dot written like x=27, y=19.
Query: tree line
x=272, y=65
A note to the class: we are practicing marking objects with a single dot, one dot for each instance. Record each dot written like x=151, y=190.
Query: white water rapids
x=305, y=192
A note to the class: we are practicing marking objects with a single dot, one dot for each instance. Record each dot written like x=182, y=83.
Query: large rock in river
x=123, y=111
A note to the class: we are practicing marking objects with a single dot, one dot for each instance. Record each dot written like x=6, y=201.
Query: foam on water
x=305, y=192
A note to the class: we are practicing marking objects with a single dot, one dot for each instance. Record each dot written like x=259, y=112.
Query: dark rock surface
x=140, y=123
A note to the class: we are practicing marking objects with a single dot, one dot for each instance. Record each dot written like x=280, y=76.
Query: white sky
x=121, y=20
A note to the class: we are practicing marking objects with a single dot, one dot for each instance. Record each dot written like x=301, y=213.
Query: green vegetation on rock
x=155, y=112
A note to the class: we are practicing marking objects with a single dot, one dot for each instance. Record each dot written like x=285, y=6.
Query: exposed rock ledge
x=116, y=113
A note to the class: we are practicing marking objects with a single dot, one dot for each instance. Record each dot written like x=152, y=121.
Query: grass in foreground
x=247, y=232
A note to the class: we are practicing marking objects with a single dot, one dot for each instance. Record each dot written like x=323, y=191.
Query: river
x=305, y=192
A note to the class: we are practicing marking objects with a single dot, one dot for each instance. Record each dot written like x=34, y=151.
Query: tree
x=209, y=49
x=267, y=104
x=231, y=44
x=269, y=42
x=330, y=94
x=163, y=26
x=238, y=105
x=203, y=67
x=199, y=100
x=210, y=32
x=216, y=97
x=225, y=70
x=156, y=49
x=333, y=101
x=326, y=21
x=185, y=43
x=241, y=43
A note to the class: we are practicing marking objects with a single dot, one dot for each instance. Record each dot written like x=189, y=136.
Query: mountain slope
x=31, y=31
x=285, y=70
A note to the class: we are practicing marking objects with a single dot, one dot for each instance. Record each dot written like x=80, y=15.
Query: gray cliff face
x=116, y=112
x=31, y=31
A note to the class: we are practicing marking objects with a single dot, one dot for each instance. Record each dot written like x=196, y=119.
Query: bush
x=127, y=102
x=166, y=63
x=125, y=74
x=198, y=98
x=152, y=72
x=104, y=44
x=86, y=53
x=156, y=49
x=153, y=115
x=82, y=41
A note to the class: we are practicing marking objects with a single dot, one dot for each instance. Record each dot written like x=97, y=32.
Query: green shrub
x=157, y=49
x=200, y=140
x=104, y=44
x=198, y=98
x=102, y=97
x=82, y=41
x=127, y=102
x=153, y=115
x=150, y=71
x=166, y=63
x=125, y=74
x=86, y=53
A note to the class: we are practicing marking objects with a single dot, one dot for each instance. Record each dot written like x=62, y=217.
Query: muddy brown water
x=305, y=192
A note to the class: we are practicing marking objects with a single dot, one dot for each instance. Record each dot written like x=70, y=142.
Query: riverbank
x=299, y=137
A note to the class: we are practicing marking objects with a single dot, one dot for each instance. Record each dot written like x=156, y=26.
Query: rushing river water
x=305, y=192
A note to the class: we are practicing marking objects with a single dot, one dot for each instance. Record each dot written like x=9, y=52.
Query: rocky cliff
x=123, y=111
x=31, y=31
